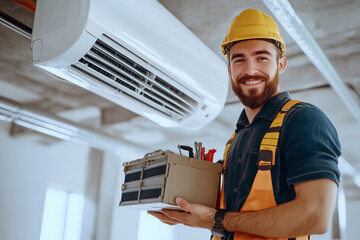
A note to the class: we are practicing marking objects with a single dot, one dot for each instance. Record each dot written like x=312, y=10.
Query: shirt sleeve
x=310, y=145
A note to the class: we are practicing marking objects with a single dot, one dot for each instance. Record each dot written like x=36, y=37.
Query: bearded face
x=254, y=68
x=255, y=98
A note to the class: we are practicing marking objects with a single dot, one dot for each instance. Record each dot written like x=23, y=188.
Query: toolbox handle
x=187, y=148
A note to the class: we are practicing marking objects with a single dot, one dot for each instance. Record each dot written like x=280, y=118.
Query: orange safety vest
x=261, y=195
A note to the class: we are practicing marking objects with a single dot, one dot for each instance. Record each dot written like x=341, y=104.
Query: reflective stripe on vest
x=261, y=195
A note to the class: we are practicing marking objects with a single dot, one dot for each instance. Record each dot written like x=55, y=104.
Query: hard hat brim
x=252, y=37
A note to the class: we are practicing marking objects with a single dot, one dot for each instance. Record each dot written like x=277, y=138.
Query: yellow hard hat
x=252, y=24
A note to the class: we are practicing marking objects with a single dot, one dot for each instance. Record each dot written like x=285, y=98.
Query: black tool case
x=153, y=182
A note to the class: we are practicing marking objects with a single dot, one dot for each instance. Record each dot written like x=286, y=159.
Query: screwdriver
x=198, y=146
x=202, y=153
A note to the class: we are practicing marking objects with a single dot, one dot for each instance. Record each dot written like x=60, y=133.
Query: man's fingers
x=194, y=215
x=170, y=223
x=180, y=217
x=175, y=214
x=164, y=218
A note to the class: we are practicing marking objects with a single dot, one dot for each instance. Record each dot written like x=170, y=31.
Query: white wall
x=352, y=220
x=26, y=169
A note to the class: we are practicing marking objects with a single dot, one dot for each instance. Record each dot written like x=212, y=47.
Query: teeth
x=252, y=82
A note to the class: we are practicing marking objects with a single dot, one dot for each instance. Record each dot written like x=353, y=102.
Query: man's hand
x=195, y=215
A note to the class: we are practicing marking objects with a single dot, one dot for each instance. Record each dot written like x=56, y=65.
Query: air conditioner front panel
x=136, y=54
x=138, y=80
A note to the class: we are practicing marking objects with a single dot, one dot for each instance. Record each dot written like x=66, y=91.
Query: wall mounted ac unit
x=134, y=53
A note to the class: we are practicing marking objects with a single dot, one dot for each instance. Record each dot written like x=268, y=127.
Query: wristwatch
x=218, y=228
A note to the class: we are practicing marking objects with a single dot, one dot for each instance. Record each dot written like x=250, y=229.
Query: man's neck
x=251, y=113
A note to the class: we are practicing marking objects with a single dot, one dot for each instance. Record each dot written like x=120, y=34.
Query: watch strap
x=218, y=228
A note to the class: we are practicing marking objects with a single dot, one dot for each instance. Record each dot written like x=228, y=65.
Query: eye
x=262, y=58
x=239, y=60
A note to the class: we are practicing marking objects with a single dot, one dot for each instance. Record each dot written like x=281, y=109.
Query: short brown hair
x=276, y=43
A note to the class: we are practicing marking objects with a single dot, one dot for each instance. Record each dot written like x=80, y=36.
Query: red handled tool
x=210, y=155
x=202, y=153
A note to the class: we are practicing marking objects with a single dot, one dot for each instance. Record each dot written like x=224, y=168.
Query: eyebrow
x=239, y=55
x=261, y=52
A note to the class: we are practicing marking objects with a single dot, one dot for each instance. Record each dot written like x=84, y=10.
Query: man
x=284, y=193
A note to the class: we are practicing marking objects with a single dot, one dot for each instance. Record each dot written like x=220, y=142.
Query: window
x=62, y=217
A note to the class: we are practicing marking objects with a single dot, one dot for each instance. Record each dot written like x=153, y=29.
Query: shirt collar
x=268, y=111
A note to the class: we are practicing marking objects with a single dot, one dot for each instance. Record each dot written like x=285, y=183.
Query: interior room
x=64, y=140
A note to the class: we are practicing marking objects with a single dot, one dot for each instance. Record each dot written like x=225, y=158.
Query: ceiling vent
x=134, y=53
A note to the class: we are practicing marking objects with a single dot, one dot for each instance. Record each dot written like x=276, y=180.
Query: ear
x=229, y=70
x=282, y=64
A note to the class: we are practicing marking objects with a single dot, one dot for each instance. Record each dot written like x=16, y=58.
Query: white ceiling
x=334, y=24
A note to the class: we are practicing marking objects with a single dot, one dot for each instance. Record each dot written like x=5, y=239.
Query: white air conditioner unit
x=134, y=53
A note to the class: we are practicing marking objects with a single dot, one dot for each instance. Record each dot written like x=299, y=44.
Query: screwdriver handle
x=202, y=153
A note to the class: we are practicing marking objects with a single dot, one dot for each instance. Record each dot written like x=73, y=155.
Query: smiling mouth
x=252, y=82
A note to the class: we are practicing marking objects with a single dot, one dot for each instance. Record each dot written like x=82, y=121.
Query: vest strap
x=270, y=140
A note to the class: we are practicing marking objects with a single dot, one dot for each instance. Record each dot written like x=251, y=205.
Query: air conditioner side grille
x=137, y=80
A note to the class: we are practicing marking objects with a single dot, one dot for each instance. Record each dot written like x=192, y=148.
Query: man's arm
x=309, y=213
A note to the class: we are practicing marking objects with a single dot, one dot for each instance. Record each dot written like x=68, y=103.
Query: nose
x=251, y=68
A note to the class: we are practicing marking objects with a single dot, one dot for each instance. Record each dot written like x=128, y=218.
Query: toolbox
x=153, y=182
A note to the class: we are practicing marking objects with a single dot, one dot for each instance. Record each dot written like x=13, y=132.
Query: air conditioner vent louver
x=122, y=75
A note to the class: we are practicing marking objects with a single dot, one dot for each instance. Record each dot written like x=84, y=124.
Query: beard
x=255, y=98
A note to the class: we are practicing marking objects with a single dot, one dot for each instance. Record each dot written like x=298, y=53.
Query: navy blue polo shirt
x=308, y=149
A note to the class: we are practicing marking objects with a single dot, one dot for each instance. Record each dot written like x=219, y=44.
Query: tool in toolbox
x=210, y=155
x=187, y=148
x=153, y=182
x=202, y=153
x=198, y=146
x=199, y=151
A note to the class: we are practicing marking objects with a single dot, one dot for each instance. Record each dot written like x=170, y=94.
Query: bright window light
x=62, y=217
x=342, y=210
x=54, y=215
x=151, y=228
x=74, y=216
